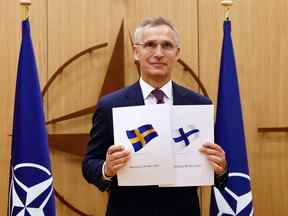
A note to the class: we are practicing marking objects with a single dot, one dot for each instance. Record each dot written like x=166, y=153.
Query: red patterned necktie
x=159, y=95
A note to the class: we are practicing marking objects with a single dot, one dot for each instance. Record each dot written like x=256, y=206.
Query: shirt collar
x=147, y=88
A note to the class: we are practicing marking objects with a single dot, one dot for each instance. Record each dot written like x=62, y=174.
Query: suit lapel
x=134, y=95
x=178, y=95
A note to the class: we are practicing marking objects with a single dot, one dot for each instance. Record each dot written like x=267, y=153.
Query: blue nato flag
x=31, y=183
x=236, y=198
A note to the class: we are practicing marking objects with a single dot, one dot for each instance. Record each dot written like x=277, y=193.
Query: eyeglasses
x=152, y=45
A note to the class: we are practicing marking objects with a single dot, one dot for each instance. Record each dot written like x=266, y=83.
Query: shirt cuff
x=107, y=178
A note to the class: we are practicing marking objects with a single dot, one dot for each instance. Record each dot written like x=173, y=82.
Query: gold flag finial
x=227, y=4
x=25, y=4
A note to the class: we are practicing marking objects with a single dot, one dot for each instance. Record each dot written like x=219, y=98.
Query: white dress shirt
x=149, y=99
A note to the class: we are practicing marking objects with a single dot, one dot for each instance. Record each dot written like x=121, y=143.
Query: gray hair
x=152, y=22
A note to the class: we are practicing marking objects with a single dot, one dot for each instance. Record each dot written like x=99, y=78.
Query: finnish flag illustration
x=185, y=135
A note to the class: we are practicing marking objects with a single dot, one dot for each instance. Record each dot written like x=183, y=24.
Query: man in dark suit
x=156, y=48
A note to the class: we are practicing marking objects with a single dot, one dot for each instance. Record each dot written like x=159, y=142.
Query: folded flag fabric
x=31, y=190
x=236, y=198
x=141, y=136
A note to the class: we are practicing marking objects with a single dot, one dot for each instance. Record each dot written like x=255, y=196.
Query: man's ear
x=178, y=54
x=136, y=53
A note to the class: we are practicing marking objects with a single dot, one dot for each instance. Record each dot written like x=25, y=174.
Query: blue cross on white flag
x=31, y=189
x=236, y=198
x=184, y=135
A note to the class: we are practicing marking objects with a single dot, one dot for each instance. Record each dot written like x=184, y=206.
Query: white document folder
x=164, y=141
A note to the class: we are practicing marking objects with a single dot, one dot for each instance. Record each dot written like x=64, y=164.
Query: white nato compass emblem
x=241, y=201
x=29, y=194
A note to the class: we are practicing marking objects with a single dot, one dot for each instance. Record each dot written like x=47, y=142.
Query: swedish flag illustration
x=141, y=136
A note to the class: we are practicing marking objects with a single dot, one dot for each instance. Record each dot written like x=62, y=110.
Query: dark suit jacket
x=136, y=201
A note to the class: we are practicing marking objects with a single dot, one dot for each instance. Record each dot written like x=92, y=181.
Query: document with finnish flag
x=164, y=141
x=192, y=126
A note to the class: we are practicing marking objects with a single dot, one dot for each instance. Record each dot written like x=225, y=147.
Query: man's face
x=157, y=52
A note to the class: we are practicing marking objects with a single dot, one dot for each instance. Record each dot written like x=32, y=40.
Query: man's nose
x=158, y=51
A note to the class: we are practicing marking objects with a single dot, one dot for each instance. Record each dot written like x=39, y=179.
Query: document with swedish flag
x=143, y=131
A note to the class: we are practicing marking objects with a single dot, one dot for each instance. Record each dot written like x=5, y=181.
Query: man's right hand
x=116, y=158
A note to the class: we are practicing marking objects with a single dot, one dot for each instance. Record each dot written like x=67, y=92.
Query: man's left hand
x=216, y=156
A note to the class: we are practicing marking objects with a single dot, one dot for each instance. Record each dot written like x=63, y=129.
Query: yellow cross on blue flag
x=140, y=136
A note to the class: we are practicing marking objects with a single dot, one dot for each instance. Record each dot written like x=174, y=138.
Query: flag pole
x=26, y=5
x=227, y=5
